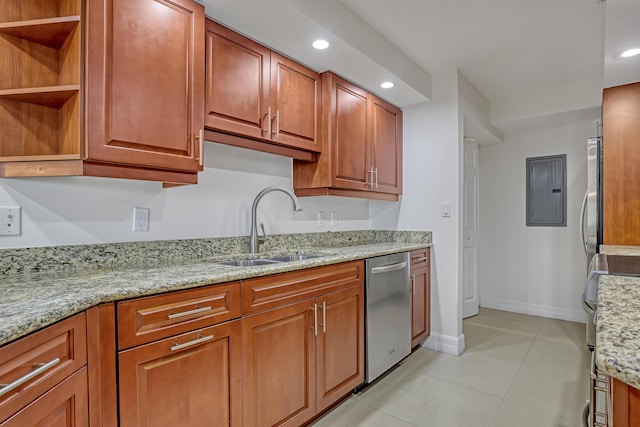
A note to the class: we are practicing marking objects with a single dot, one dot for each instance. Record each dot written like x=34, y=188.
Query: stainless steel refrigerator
x=595, y=412
x=591, y=215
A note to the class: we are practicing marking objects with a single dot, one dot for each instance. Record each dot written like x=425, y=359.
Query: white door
x=470, y=298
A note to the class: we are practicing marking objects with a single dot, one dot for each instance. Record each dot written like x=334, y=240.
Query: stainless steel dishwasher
x=388, y=312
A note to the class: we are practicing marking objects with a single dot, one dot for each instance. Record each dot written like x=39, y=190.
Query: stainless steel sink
x=248, y=262
x=275, y=259
x=293, y=257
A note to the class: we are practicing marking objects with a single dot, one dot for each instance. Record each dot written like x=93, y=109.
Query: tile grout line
x=515, y=375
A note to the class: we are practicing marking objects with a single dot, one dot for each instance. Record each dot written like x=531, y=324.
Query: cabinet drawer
x=49, y=355
x=148, y=319
x=268, y=292
x=419, y=258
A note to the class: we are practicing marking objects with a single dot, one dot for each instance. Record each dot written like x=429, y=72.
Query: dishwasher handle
x=388, y=268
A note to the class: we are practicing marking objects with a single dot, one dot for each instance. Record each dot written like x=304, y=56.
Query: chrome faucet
x=253, y=237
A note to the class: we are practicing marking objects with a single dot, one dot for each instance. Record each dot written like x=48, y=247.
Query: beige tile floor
x=516, y=371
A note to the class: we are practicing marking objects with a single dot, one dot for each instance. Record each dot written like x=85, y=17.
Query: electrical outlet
x=10, y=221
x=141, y=219
x=334, y=219
x=320, y=219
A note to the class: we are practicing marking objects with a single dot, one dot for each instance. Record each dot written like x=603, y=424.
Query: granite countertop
x=618, y=328
x=31, y=301
x=620, y=250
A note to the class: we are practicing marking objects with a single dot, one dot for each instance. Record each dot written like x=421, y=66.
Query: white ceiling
x=529, y=58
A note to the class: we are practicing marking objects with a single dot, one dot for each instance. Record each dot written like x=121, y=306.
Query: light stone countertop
x=32, y=301
x=618, y=328
x=620, y=250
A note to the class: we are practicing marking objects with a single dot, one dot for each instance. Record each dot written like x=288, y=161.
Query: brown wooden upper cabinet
x=621, y=155
x=253, y=92
x=361, y=144
x=137, y=111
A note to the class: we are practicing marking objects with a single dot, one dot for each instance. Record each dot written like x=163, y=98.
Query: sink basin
x=293, y=257
x=251, y=262
x=248, y=262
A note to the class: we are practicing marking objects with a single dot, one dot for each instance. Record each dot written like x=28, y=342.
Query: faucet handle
x=262, y=238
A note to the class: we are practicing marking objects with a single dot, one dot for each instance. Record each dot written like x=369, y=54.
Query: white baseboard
x=445, y=343
x=535, y=309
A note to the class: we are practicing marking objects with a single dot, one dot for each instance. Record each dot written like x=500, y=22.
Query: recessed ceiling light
x=386, y=85
x=321, y=44
x=630, y=52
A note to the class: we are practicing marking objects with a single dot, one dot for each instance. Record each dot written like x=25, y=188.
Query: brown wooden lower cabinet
x=65, y=405
x=420, y=296
x=192, y=379
x=300, y=359
x=624, y=405
x=339, y=345
x=279, y=371
x=49, y=357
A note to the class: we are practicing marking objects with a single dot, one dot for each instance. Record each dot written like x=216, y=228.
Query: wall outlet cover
x=141, y=219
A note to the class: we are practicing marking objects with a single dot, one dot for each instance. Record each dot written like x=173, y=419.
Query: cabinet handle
x=265, y=118
x=269, y=122
x=201, y=147
x=376, y=173
x=188, y=313
x=324, y=317
x=388, y=268
x=370, y=183
x=413, y=284
x=315, y=319
x=200, y=340
x=40, y=368
x=277, y=125
x=424, y=258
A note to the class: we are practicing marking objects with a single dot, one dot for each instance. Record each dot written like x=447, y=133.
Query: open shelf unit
x=40, y=90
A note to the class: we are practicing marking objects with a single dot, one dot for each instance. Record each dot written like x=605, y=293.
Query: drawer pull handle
x=424, y=258
x=200, y=340
x=189, y=313
x=389, y=268
x=324, y=317
x=315, y=319
x=40, y=368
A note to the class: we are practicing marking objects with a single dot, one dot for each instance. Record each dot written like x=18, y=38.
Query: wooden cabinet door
x=621, y=146
x=56, y=351
x=193, y=379
x=295, y=104
x=340, y=344
x=278, y=368
x=623, y=404
x=349, y=134
x=420, y=296
x=420, y=306
x=65, y=405
x=237, y=83
x=144, y=83
x=386, y=145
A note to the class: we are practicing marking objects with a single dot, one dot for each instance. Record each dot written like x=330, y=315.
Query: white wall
x=87, y=210
x=432, y=141
x=535, y=270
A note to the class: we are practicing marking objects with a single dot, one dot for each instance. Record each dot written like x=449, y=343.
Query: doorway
x=470, y=296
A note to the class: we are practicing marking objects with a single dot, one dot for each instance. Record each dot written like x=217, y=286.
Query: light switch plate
x=446, y=209
x=320, y=219
x=334, y=218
